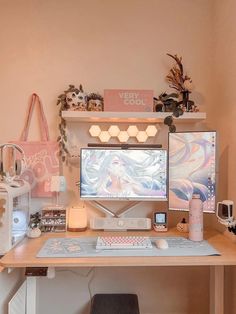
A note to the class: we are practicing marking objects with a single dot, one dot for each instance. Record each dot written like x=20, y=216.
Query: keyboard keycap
x=123, y=242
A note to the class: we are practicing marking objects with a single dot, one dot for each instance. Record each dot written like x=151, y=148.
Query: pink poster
x=128, y=100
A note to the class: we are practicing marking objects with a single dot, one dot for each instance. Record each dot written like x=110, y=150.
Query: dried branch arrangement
x=176, y=77
x=182, y=83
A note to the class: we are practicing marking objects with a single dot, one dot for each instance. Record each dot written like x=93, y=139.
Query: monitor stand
x=120, y=213
x=117, y=222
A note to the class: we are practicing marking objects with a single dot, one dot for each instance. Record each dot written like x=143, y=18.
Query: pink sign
x=128, y=100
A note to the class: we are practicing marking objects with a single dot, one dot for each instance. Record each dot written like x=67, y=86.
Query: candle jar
x=77, y=219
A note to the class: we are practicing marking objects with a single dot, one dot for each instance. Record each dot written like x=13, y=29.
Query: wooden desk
x=24, y=255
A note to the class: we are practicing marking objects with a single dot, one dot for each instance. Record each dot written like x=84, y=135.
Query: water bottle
x=196, y=218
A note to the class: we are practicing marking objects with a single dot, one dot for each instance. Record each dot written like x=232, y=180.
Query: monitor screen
x=123, y=174
x=192, y=169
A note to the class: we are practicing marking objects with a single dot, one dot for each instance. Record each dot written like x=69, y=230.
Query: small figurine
x=182, y=226
x=95, y=102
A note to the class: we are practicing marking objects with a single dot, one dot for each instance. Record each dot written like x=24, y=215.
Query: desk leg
x=31, y=291
x=216, y=289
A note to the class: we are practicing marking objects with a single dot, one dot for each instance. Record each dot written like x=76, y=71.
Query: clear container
x=196, y=218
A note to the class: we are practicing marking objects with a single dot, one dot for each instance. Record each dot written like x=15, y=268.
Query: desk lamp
x=77, y=219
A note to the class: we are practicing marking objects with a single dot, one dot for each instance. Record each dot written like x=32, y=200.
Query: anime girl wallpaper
x=192, y=169
x=123, y=174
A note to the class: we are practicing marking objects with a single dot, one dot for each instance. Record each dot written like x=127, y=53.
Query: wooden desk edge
x=117, y=264
x=24, y=255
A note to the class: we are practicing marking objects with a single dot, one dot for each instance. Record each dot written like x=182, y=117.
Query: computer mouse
x=161, y=244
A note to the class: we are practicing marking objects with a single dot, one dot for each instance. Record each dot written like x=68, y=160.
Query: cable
x=77, y=273
x=89, y=285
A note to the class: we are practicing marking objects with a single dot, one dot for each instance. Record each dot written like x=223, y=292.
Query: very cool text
x=131, y=99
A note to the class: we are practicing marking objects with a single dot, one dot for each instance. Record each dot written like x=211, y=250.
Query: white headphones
x=17, y=165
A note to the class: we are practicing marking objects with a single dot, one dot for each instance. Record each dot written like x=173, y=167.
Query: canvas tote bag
x=42, y=161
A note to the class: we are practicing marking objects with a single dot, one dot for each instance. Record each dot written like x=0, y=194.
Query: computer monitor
x=123, y=174
x=192, y=169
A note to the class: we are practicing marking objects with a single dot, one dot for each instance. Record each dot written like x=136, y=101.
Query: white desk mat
x=86, y=247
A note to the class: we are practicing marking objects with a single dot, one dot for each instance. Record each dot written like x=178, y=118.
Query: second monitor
x=192, y=169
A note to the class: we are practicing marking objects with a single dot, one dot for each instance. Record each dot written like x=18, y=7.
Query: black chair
x=115, y=304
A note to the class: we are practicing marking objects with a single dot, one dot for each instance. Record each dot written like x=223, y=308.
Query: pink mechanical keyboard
x=123, y=242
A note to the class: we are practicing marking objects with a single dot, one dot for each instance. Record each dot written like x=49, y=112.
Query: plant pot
x=185, y=95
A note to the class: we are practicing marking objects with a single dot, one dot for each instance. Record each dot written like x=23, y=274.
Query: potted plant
x=73, y=99
x=182, y=83
x=34, y=230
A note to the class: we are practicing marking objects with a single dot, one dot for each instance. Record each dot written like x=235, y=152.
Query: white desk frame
x=24, y=255
x=216, y=292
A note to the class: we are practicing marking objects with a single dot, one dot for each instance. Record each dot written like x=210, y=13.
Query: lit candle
x=77, y=219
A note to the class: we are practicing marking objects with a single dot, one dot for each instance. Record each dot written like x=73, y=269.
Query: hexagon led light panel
x=132, y=130
x=142, y=136
x=95, y=130
x=151, y=130
x=123, y=136
x=104, y=136
x=114, y=130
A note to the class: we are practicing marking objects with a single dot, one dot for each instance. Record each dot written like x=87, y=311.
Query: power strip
x=98, y=223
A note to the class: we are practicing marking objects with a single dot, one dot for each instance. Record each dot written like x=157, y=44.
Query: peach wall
x=48, y=44
x=223, y=107
x=224, y=111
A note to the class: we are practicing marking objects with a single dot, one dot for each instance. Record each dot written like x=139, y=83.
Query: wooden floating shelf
x=126, y=117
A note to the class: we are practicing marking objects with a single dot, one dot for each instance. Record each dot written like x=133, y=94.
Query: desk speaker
x=98, y=223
